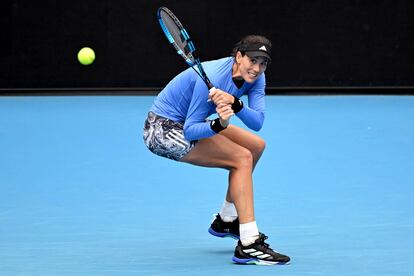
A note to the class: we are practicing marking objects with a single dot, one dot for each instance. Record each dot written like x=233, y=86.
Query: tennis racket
x=179, y=38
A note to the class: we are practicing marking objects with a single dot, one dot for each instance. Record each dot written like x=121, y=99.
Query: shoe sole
x=253, y=261
x=222, y=235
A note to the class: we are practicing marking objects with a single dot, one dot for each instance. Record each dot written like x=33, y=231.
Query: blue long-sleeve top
x=184, y=99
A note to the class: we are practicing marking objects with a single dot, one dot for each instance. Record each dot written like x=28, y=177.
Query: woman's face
x=249, y=68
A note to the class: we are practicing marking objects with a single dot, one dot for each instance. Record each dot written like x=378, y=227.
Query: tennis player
x=178, y=128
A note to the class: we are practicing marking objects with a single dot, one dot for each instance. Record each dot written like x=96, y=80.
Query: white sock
x=228, y=212
x=248, y=233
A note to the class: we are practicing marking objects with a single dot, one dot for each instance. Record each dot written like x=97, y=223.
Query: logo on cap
x=263, y=48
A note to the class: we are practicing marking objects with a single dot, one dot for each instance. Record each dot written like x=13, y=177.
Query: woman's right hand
x=224, y=112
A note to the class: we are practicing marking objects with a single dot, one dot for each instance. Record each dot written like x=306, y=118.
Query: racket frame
x=190, y=57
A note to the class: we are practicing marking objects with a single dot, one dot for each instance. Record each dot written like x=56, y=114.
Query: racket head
x=179, y=38
x=177, y=35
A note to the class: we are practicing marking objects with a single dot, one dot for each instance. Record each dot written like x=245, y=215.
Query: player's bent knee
x=260, y=146
x=243, y=158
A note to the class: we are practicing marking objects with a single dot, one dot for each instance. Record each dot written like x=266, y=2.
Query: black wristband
x=216, y=125
x=237, y=105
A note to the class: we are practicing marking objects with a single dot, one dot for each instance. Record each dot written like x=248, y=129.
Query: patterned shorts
x=165, y=137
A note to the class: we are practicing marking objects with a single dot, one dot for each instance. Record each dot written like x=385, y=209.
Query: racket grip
x=210, y=91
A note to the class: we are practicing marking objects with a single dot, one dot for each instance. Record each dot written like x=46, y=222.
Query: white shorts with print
x=165, y=137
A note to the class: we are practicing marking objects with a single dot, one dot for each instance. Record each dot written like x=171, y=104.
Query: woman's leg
x=248, y=140
x=220, y=151
x=238, y=152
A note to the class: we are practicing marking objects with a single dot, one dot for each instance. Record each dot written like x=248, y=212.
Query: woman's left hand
x=220, y=97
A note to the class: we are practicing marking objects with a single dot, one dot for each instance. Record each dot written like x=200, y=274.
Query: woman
x=177, y=128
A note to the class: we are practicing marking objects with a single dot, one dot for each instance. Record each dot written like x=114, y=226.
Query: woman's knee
x=258, y=148
x=260, y=145
x=243, y=158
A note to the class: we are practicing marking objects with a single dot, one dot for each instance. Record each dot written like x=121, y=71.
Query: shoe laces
x=262, y=238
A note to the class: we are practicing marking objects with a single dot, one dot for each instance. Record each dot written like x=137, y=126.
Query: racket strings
x=181, y=41
x=178, y=36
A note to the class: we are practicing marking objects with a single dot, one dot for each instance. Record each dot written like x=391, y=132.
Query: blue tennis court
x=80, y=194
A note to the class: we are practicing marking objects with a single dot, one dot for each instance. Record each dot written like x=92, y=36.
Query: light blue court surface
x=81, y=195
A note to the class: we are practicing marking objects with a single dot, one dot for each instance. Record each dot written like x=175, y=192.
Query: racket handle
x=210, y=91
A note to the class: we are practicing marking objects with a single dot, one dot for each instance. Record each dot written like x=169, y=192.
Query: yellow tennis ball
x=86, y=56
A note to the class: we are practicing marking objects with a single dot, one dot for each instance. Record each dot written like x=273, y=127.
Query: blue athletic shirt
x=184, y=99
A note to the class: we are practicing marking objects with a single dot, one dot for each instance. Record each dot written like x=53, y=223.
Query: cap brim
x=258, y=54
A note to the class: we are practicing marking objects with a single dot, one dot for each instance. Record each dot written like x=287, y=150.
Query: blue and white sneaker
x=222, y=229
x=258, y=253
